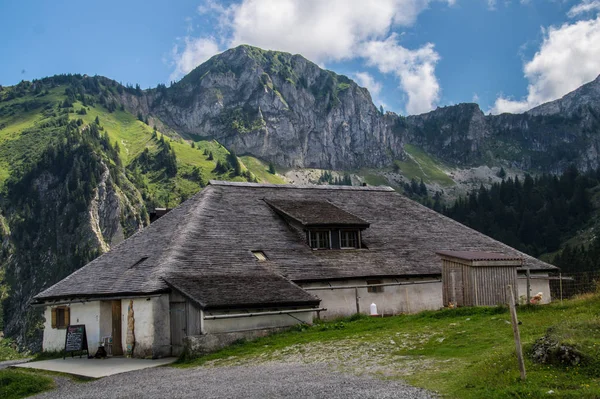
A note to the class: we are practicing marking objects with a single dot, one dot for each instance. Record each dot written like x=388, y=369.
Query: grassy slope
x=419, y=165
x=462, y=353
x=132, y=135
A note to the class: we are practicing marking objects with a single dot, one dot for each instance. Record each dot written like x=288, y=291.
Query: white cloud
x=475, y=98
x=319, y=30
x=322, y=31
x=414, y=68
x=584, y=7
x=365, y=79
x=568, y=57
x=194, y=53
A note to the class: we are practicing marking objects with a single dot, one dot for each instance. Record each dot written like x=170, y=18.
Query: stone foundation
x=196, y=345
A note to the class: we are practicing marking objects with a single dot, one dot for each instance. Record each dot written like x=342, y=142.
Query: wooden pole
x=560, y=284
x=515, y=325
x=528, y=273
x=357, y=304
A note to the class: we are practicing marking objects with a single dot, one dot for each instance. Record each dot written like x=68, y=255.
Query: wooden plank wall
x=476, y=285
x=489, y=284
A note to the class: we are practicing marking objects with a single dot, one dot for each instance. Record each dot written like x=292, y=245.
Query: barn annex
x=241, y=259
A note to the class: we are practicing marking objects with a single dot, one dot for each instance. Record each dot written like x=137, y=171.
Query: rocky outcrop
x=285, y=109
x=63, y=243
x=281, y=108
x=547, y=138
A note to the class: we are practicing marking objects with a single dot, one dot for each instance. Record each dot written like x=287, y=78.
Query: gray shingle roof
x=214, y=233
x=223, y=291
x=311, y=213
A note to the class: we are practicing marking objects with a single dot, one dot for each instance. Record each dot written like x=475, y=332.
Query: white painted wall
x=254, y=322
x=87, y=313
x=393, y=300
x=539, y=283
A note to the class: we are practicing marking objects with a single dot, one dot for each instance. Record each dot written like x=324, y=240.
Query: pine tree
x=272, y=168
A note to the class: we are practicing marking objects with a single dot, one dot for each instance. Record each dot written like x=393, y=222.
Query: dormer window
x=326, y=225
x=319, y=239
x=349, y=239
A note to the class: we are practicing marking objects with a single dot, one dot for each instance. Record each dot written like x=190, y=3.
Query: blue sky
x=413, y=55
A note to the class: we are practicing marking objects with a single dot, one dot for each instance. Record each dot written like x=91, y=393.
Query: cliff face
x=286, y=110
x=547, y=138
x=58, y=219
x=281, y=108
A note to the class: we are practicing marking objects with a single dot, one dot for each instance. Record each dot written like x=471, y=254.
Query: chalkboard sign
x=76, y=340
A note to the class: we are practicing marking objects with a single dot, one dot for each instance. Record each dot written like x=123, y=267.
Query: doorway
x=178, y=327
x=117, y=345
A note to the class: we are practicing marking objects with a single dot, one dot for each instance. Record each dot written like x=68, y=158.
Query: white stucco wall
x=254, y=322
x=539, y=283
x=393, y=300
x=87, y=313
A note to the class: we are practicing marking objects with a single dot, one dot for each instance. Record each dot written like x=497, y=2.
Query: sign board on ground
x=76, y=339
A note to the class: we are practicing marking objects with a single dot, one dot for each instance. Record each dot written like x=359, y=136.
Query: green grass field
x=420, y=165
x=15, y=384
x=461, y=353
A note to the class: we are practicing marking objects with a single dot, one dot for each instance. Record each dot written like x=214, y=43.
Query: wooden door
x=117, y=345
x=178, y=324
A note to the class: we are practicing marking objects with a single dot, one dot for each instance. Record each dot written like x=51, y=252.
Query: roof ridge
x=300, y=186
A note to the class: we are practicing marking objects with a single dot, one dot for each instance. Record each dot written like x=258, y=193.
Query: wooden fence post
x=560, y=285
x=357, y=303
x=515, y=325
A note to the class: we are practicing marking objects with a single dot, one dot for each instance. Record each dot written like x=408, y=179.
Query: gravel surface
x=268, y=380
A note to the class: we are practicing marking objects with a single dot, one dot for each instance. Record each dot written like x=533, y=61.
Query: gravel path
x=268, y=380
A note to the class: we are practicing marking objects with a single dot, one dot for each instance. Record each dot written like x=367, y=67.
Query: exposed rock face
x=285, y=109
x=113, y=213
x=545, y=139
x=281, y=108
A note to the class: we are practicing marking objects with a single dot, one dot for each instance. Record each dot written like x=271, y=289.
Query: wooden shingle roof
x=312, y=213
x=210, y=238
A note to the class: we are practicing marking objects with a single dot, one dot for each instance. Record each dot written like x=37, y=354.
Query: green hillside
x=79, y=172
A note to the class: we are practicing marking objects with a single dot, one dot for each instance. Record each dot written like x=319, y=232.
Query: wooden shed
x=477, y=278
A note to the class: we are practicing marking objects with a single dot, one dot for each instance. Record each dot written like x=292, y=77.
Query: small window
x=259, y=255
x=320, y=239
x=61, y=317
x=349, y=239
x=376, y=289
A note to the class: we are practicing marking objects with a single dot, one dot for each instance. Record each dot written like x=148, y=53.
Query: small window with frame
x=349, y=239
x=320, y=239
x=61, y=317
x=377, y=288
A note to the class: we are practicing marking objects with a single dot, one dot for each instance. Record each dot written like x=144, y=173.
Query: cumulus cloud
x=193, y=53
x=584, y=7
x=414, y=68
x=568, y=57
x=367, y=80
x=322, y=31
